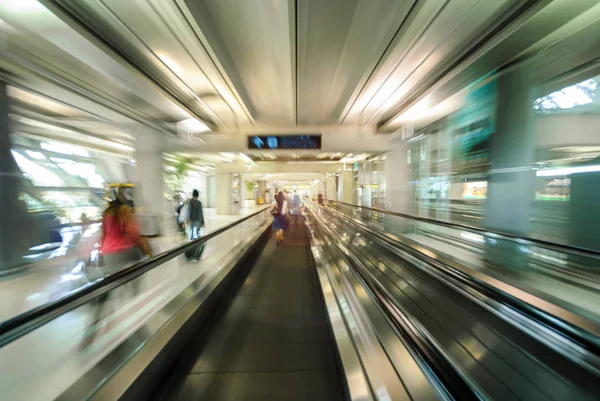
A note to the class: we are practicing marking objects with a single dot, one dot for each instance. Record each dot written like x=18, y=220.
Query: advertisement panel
x=475, y=190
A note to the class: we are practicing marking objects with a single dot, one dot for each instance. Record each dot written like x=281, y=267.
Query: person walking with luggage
x=193, y=217
x=279, y=213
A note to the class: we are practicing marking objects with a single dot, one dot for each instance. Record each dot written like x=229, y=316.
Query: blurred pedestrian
x=296, y=209
x=195, y=223
x=321, y=202
x=121, y=245
x=279, y=213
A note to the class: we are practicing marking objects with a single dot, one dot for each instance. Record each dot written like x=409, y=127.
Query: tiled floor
x=273, y=342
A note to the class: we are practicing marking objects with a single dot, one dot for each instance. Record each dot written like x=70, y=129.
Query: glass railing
x=71, y=344
x=562, y=275
x=473, y=327
x=67, y=263
x=548, y=221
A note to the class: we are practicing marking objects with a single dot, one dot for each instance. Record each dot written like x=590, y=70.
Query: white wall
x=196, y=181
x=224, y=200
x=347, y=186
x=211, y=196
x=455, y=190
x=567, y=130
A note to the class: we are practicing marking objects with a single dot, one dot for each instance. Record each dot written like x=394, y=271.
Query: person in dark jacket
x=195, y=221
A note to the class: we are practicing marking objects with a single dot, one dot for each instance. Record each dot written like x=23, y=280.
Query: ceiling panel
x=158, y=38
x=439, y=34
x=330, y=70
x=40, y=42
x=537, y=30
x=124, y=46
x=50, y=107
x=283, y=65
x=253, y=41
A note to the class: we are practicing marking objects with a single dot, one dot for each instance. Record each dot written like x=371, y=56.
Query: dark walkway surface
x=273, y=342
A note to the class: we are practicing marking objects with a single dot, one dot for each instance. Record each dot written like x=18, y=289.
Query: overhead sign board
x=273, y=142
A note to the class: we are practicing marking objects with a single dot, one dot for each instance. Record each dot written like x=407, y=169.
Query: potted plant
x=249, y=202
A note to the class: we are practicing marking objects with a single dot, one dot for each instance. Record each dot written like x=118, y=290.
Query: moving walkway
x=341, y=311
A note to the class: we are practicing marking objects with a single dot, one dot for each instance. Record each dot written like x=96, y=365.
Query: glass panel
x=569, y=97
x=516, y=262
x=32, y=203
x=40, y=175
x=65, y=149
x=73, y=345
x=85, y=171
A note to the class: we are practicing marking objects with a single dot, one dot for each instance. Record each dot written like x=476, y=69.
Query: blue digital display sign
x=272, y=142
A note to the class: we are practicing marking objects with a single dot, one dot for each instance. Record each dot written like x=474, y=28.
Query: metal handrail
x=418, y=340
x=495, y=234
x=24, y=323
x=581, y=332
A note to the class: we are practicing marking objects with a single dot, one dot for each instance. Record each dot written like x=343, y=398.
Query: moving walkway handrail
x=27, y=322
x=579, y=330
x=417, y=340
x=495, y=234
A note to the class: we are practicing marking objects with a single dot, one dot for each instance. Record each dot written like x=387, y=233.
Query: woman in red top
x=121, y=245
x=121, y=240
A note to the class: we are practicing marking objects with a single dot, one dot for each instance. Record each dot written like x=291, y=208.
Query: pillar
x=262, y=186
x=14, y=219
x=583, y=225
x=330, y=192
x=149, y=193
x=511, y=184
x=399, y=195
x=211, y=189
x=347, y=181
x=224, y=199
x=228, y=193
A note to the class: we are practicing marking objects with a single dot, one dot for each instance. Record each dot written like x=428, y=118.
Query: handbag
x=184, y=214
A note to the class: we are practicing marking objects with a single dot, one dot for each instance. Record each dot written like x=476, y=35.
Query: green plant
x=249, y=189
x=176, y=178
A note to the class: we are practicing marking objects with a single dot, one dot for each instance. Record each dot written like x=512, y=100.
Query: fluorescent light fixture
x=120, y=146
x=228, y=156
x=170, y=63
x=23, y=6
x=245, y=158
x=567, y=170
x=424, y=109
x=193, y=126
